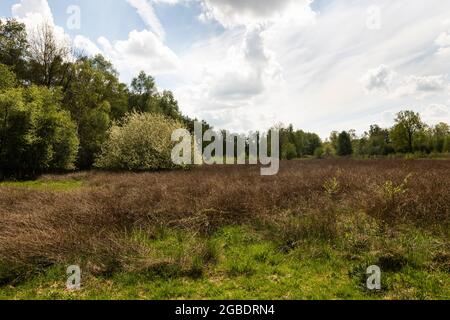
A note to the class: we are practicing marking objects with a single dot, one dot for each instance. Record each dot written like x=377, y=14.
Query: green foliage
x=289, y=151
x=13, y=46
x=440, y=136
x=304, y=143
x=35, y=133
x=378, y=141
x=446, y=146
x=7, y=78
x=90, y=90
x=319, y=153
x=141, y=142
x=332, y=186
x=143, y=92
x=406, y=130
x=94, y=97
x=390, y=191
x=344, y=144
x=144, y=97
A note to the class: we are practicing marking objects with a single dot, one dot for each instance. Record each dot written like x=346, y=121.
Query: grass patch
x=45, y=185
x=245, y=266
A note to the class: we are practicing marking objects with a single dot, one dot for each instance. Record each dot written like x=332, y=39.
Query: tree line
x=59, y=109
x=409, y=135
x=57, y=105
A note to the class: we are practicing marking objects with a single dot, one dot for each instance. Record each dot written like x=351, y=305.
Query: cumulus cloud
x=443, y=40
x=320, y=65
x=385, y=79
x=35, y=13
x=443, y=43
x=231, y=13
x=428, y=83
x=250, y=68
x=379, y=78
x=226, y=75
x=422, y=86
x=143, y=50
x=85, y=46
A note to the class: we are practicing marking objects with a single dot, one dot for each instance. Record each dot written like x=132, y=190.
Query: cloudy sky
x=321, y=65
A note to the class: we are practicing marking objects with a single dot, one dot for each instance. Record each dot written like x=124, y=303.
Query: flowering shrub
x=141, y=142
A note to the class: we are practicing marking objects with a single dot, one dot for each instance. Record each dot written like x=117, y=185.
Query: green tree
x=334, y=140
x=289, y=151
x=115, y=92
x=408, y=124
x=48, y=57
x=168, y=105
x=305, y=143
x=378, y=142
x=344, y=144
x=143, y=89
x=446, y=147
x=313, y=142
x=36, y=135
x=94, y=98
x=440, y=133
x=13, y=46
x=7, y=78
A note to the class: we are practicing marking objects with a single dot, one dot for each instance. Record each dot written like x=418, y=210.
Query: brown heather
x=340, y=201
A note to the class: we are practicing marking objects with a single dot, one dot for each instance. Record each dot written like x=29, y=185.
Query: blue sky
x=249, y=64
x=179, y=21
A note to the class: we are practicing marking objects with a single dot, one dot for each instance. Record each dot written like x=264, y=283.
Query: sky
x=246, y=65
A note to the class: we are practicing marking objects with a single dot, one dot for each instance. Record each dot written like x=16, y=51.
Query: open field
x=226, y=232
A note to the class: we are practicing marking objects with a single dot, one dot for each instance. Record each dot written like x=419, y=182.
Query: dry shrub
x=94, y=225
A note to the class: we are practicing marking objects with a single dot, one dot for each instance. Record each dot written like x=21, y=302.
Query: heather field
x=226, y=232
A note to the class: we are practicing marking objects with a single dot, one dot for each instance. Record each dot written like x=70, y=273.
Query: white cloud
x=443, y=40
x=226, y=75
x=85, y=46
x=143, y=50
x=428, y=83
x=231, y=13
x=145, y=10
x=379, y=78
x=34, y=13
x=435, y=113
x=422, y=86
x=28, y=9
x=443, y=43
x=321, y=57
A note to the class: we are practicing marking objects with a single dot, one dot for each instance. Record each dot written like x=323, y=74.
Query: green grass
x=46, y=185
x=239, y=263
